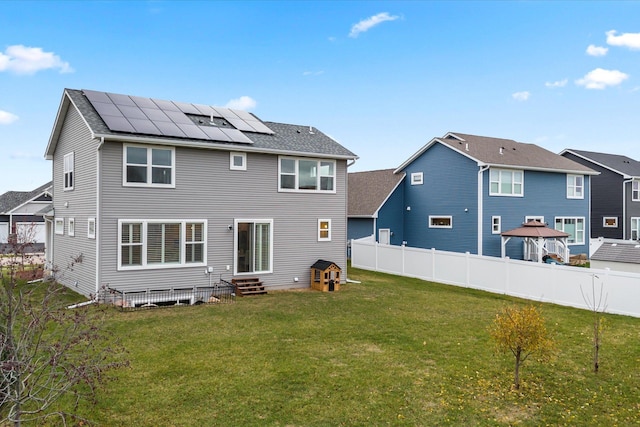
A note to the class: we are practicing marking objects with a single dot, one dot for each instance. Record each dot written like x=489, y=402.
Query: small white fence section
x=563, y=285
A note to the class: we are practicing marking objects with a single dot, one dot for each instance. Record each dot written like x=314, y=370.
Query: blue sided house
x=462, y=191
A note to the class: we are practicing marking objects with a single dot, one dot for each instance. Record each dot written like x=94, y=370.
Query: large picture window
x=573, y=226
x=149, y=166
x=254, y=246
x=506, y=182
x=307, y=175
x=575, y=187
x=161, y=244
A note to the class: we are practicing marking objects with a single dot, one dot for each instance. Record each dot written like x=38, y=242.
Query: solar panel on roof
x=159, y=117
x=144, y=102
x=236, y=136
x=165, y=105
x=131, y=112
x=154, y=114
x=192, y=131
x=107, y=109
x=94, y=96
x=119, y=124
x=144, y=126
x=121, y=99
x=169, y=129
x=216, y=134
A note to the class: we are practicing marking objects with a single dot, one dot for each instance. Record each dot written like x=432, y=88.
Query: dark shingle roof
x=505, y=152
x=369, y=190
x=287, y=138
x=618, y=163
x=618, y=252
x=12, y=199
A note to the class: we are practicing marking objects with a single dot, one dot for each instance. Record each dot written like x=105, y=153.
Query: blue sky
x=382, y=78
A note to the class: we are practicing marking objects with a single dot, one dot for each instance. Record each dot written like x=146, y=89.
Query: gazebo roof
x=535, y=229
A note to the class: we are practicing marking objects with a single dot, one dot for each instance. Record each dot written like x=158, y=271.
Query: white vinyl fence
x=556, y=284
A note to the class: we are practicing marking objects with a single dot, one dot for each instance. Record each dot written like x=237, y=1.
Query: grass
x=389, y=351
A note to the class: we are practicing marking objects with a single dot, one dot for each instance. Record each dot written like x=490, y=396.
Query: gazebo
x=539, y=240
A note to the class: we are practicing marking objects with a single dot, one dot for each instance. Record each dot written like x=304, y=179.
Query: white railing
x=557, y=247
x=557, y=284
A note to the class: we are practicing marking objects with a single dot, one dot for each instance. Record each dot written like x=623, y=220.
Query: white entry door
x=384, y=236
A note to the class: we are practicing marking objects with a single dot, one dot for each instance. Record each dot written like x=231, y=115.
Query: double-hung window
x=574, y=226
x=68, y=171
x=575, y=187
x=506, y=182
x=253, y=246
x=59, y=226
x=635, y=191
x=306, y=175
x=149, y=166
x=324, y=230
x=161, y=244
x=496, y=226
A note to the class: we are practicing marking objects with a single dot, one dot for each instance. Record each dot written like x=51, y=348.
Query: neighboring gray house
x=20, y=217
x=615, y=193
x=375, y=206
x=159, y=194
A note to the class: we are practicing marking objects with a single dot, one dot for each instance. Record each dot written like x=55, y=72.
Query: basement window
x=440, y=221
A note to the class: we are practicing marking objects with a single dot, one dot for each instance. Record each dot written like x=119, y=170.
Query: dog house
x=325, y=276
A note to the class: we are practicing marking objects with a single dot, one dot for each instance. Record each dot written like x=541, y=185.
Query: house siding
x=80, y=205
x=545, y=194
x=206, y=188
x=360, y=227
x=391, y=216
x=606, y=199
x=450, y=186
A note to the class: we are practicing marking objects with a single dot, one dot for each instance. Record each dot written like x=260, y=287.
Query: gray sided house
x=375, y=206
x=20, y=217
x=155, y=194
x=615, y=196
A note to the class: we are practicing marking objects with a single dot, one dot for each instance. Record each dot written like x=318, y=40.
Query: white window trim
x=71, y=227
x=235, y=245
x=68, y=168
x=324, y=239
x=584, y=231
x=417, y=178
x=571, y=184
x=149, y=167
x=297, y=175
x=635, y=191
x=144, y=223
x=513, y=172
x=496, y=224
x=636, y=229
x=432, y=217
x=234, y=167
x=538, y=218
x=604, y=221
x=91, y=231
x=59, y=226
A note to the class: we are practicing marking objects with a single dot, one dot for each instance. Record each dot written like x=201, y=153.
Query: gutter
x=480, y=205
x=624, y=207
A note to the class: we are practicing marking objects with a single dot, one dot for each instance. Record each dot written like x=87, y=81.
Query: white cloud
x=594, y=50
x=630, y=40
x=7, y=118
x=600, y=78
x=367, y=24
x=243, y=103
x=21, y=59
x=559, y=83
x=521, y=96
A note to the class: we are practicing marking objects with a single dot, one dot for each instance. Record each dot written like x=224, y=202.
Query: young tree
x=522, y=332
x=47, y=350
x=597, y=304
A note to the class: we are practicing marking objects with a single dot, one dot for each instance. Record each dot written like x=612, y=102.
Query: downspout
x=98, y=220
x=480, y=207
x=624, y=207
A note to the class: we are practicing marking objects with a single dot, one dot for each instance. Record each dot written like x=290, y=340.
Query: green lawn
x=388, y=351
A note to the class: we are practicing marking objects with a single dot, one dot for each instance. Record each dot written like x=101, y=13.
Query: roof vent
x=467, y=147
x=614, y=244
x=501, y=150
x=311, y=130
x=637, y=246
